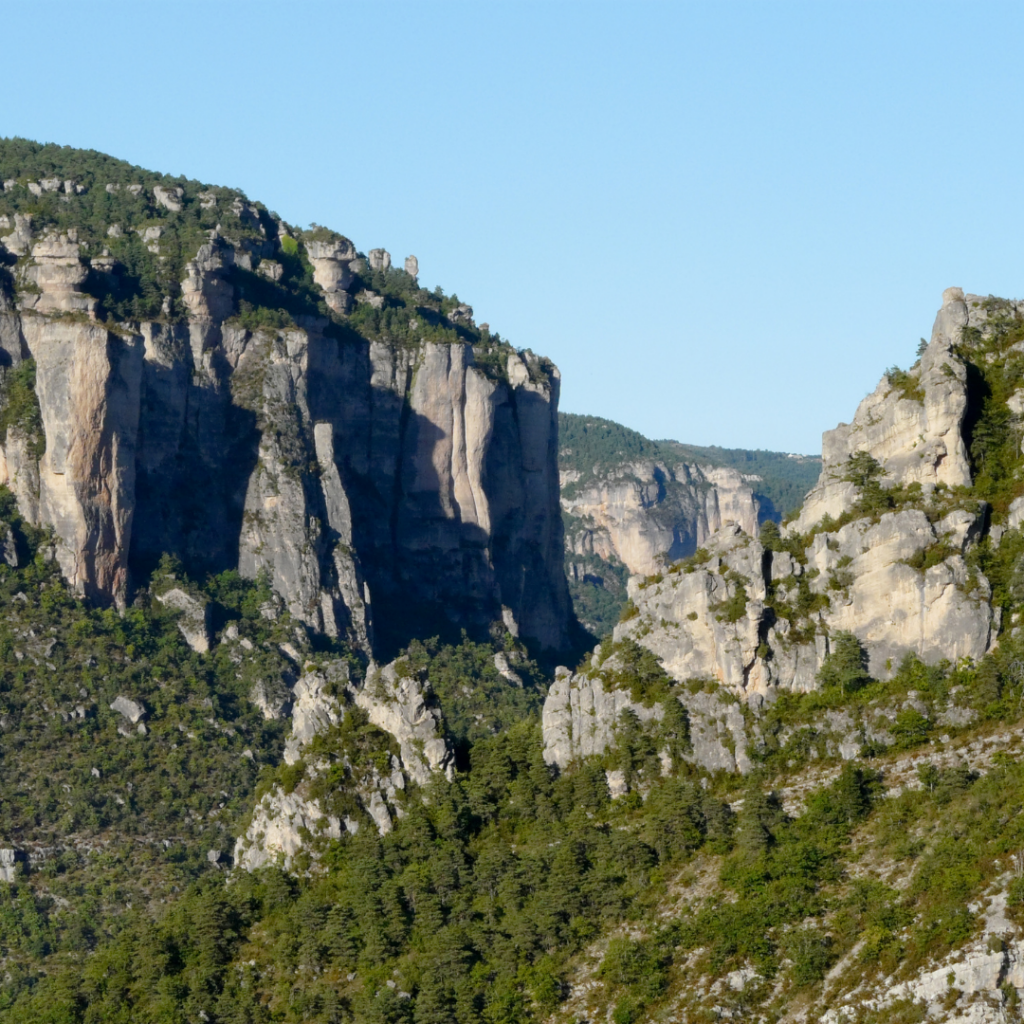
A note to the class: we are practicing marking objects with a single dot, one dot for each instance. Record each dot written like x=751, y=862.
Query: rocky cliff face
x=388, y=483
x=915, y=430
x=758, y=619
x=632, y=505
x=643, y=513
x=890, y=546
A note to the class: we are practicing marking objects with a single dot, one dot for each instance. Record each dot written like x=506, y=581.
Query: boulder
x=169, y=198
x=8, y=865
x=129, y=709
x=194, y=622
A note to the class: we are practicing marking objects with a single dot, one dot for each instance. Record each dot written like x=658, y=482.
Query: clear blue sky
x=723, y=220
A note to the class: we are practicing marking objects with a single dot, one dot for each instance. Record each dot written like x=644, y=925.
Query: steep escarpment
x=788, y=787
x=214, y=384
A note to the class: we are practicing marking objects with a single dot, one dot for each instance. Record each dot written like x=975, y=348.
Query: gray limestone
x=194, y=621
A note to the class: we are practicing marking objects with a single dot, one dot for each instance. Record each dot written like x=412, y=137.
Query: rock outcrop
x=583, y=713
x=286, y=822
x=882, y=550
x=395, y=700
x=350, y=471
x=915, y=432
x=758, y=620
x=194, y=621
x=644, y=513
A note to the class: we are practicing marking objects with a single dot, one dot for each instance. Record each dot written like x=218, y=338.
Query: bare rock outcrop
x=169, y=198
x=583, y=713
x=285, y=822
x=334, y=270
x=898, y=580
x=206, y=289
x=379, y=259
x=315, y=708
x=88, y=381
x=55, y=272
x=916, y=436
x=194, y=621
x=396, y=702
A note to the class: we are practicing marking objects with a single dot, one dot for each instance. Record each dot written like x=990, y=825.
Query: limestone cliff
x=390, y=475
x=632, y=506
x=917, y=496
x=880, y=549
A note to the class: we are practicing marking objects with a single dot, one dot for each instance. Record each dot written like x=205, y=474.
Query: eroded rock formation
x=359, y=475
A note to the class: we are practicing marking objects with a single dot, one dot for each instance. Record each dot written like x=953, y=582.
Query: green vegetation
x=496, y=888
x=144, y=282
x=906, y=383
x=19, y=407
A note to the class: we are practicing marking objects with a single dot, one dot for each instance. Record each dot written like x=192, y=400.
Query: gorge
x=343, y=678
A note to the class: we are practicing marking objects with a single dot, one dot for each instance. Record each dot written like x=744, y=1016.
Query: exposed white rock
x=505, y=670
x=270, y=699
x=315, y=708
x=8, y=865
x=395, y=700
x=646, y=513
x=206, y=290
x=194, y=622
x=20, y=239
x=270, y=269
x=380, y=259
x=169, y=197
x=617, y=785
x=1016, y=514
x=274, y=836
x=333, y=270
x=915, y=441
x=582, y=713
x=412, y=266
x=57, y=271
x=128, y=708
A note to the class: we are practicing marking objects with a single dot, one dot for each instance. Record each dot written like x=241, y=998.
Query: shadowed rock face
x=357, y=475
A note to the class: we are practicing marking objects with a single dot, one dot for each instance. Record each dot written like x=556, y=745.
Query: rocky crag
x=632, y=506
x=914, y=499
x=212, y=383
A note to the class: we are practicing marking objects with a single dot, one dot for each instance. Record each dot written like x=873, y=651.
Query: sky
x=723, y=221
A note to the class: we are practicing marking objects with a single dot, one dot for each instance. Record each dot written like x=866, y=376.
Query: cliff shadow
x=190, y=498
x=428, y=571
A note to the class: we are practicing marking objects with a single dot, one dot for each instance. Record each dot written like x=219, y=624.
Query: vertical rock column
x=88, y=381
